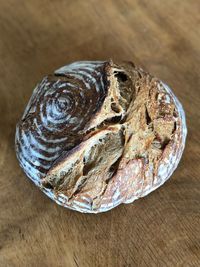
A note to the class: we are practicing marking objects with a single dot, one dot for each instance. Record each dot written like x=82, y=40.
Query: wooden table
x=37, y=37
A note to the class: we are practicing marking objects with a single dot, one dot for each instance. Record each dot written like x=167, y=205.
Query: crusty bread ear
x=88, y=167
x=129, y=146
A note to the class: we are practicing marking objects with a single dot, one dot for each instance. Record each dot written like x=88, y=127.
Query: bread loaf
x=96, y=134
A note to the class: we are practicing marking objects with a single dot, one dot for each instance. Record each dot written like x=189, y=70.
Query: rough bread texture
x=98, y=134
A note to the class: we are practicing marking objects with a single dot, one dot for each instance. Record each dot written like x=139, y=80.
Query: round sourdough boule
x=96, y=134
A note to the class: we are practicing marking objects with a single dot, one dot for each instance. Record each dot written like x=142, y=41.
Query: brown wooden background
x=38, y=36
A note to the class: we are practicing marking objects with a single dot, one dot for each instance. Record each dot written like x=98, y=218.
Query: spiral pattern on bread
x=57, y=113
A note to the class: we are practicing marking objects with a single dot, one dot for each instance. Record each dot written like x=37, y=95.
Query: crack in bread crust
x=130, y=146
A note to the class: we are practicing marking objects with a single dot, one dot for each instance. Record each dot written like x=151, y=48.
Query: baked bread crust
x=97, y=134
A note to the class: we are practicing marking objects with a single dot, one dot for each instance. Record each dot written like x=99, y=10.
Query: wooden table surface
x=37, y=37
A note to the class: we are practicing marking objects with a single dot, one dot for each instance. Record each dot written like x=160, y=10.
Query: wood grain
x=37, y=37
